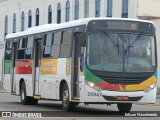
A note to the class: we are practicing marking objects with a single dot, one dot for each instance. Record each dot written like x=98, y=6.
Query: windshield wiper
x=114, y=43
x=129, y=45
x=136, y=39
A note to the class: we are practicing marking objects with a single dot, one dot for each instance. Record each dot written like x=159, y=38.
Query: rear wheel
x=26, y=100
x=124, y=107
x=66, y=104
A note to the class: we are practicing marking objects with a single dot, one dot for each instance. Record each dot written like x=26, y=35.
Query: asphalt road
x=11, y=103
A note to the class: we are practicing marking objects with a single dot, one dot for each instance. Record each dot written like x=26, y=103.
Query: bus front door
x=13, y=80
x=75, y=68
x=36, y=64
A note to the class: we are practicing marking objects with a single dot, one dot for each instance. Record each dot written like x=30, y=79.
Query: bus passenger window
x=28, y=53
x=8, y=50
x=21, y=54
x=67, y=37
x=8, y=45
x=22, y=43
x=65, y=50
x=29, y=45
x=30, y=42
x=7, y=54
x=47, y=45
x=21, y=48
x=56, y=45
x=46, y=52
x=66, y=44
x=57, y=38
x=47, y=40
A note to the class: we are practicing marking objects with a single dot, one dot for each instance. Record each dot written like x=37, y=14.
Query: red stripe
x=106, y=86
x=23, y=67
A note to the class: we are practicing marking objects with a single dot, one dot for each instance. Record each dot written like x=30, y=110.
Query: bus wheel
x=25, y=100
x=66, y=104
x=124, y=107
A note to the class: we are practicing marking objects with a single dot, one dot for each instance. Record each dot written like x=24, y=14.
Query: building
x=19, y=15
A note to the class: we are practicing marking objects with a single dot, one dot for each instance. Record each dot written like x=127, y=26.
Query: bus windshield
x=121, y=52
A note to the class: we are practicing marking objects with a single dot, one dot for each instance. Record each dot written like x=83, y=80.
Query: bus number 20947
x=94, y=94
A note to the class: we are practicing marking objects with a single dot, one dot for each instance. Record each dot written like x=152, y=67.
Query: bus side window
x=8, y=47
x=56, y=45
x=29, y=47
x=47, y=45
x=21, y=48
x=66, y=44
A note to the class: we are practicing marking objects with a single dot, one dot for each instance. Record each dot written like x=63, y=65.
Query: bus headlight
x=150, y=88
x=93, y=86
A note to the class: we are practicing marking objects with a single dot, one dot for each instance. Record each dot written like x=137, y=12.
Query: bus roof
x=51, y=27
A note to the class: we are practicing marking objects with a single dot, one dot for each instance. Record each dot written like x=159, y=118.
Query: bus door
x=13, y=69
x=75, y=67
x=36, y=65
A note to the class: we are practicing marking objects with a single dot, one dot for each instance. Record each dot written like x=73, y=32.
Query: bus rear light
x=150, y=88
x=93, y=86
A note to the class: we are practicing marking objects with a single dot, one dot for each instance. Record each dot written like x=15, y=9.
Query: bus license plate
x=122, y=98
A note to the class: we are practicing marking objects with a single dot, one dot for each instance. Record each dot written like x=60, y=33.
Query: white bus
x=90, y=61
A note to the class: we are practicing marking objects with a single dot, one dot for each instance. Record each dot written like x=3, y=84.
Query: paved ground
x=12, y=103
x=2, y=90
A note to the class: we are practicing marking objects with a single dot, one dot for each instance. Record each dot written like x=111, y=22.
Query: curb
x=2, y=91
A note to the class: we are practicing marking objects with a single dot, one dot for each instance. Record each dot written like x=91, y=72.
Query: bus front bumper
x=106, y=96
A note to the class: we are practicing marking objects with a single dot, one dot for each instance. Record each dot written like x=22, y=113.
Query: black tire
x=66, y=104
x=26, y=100
x=124, y=107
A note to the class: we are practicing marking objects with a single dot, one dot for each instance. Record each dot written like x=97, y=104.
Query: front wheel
x=124, y=107
x=66, y=104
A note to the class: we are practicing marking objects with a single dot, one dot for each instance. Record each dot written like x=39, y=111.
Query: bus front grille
x=113, y=98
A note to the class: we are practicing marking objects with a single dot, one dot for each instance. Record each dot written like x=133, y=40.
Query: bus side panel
x=28, y=83
x=91, y=95
x=48, y=86
x=52, y=72
x=24, y=72
x=7, y=76
x=81, y=87
x=7, y=82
